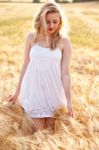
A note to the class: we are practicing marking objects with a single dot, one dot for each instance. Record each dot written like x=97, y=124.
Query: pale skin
x=53, y=21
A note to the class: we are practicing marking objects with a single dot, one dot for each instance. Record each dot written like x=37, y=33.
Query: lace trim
x=39, y=111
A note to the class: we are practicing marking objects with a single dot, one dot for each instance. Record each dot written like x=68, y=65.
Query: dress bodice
x=43, y=54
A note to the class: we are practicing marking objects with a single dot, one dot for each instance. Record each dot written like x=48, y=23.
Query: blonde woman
x=45, y=83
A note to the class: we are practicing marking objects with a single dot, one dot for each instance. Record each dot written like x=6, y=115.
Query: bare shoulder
x=29, y=37
x=65, y=44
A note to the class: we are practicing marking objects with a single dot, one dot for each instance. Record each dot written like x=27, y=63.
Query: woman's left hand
x=70, y=110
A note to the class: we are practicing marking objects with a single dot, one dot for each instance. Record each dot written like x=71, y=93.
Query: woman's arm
x=65, y=70
x=13, y=98
x=26, y=60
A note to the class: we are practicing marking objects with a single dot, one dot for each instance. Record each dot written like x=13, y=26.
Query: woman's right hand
x=12, y=98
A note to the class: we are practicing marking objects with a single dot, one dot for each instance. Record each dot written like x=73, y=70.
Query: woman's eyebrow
x=52, y=20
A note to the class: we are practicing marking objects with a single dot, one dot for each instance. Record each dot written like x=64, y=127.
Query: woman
x=45, y=83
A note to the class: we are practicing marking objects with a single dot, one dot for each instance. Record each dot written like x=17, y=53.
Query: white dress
x=42, y=90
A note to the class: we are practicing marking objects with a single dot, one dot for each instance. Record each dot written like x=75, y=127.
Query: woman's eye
x=55, y=22
x=48, y=22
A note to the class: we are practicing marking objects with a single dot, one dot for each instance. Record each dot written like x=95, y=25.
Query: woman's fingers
x=70, y=113
x=10, y=98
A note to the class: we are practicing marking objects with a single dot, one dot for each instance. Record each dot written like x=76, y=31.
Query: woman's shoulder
x=30, y=35
x=64, y=42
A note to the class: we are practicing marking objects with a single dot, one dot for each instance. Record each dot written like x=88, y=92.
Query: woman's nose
x=51, y=25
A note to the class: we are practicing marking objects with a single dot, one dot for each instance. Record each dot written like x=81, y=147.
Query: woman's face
x=52, y=21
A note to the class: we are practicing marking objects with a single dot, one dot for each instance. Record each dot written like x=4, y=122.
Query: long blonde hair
x=40, y=23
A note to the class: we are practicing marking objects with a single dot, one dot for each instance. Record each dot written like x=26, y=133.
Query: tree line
x=64, y=1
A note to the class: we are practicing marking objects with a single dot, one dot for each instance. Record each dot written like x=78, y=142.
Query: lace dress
x=42, y=90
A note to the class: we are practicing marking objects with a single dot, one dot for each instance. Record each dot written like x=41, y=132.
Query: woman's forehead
x=52, y=16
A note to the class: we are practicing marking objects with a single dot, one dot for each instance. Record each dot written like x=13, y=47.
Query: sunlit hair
x=40, y=25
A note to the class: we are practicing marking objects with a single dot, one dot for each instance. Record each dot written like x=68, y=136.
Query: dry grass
x=16, y=127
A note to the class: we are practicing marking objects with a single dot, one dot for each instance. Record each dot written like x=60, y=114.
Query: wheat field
x=16, y=127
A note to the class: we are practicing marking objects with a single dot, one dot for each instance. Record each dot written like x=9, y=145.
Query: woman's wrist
x=69, y=103
x=17, y=91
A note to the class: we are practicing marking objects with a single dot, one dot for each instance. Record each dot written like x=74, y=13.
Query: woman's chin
x=50, y=32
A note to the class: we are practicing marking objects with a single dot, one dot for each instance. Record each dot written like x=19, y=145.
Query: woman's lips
x=50, y=29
